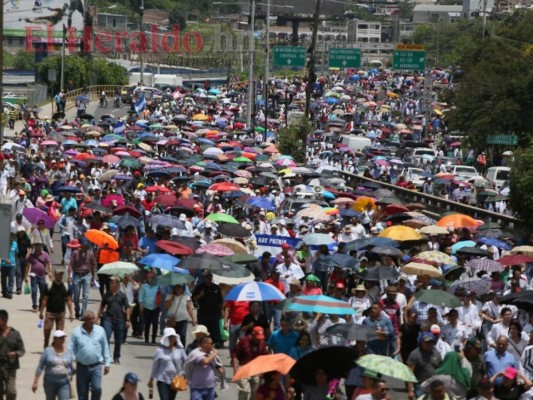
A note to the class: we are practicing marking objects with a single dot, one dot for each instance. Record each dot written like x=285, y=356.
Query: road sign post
x=409, y=57
x=344, y=58
x=289, y=56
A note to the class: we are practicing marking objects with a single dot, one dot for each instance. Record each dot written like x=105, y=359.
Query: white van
x=356, y=143
x=420, y=152
x=464, y=171
x=498, y=175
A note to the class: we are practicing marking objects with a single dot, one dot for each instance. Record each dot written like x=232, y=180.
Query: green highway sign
x=289, y=56
x=507, y=140
x=344, y=58
x=409, y=57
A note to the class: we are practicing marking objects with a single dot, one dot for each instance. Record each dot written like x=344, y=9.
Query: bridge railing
x=434, y=202
x=92, y=91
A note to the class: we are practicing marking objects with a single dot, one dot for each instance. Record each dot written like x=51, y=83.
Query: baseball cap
x=131, y=377
x=510, y=373
x=427, y=337
x=435, y=329
x=59, y=334
x=258, y=332
x=286, y=246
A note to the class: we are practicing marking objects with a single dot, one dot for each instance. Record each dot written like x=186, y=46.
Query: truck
x=165, y=80
x=355, y=143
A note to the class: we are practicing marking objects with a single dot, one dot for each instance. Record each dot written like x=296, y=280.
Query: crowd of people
x=181, y=178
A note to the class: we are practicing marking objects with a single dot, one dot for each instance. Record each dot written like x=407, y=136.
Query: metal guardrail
x=92, y=91
x=434, y=203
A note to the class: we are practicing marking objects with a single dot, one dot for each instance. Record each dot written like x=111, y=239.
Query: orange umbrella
x=361, y=202
x=458, y=221
x=272, y=362
x=100, y=238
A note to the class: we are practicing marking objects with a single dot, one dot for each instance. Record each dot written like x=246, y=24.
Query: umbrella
x=515, y=259
x=527, y=250
x=494, y=242
x=272, y=362
x=460, y=245
x=522, y=300
x=472, y=251
x=336, y=361
x=359, y=333
x=233, y=230
x=382, y=193
x=254, y=291
x=215, y=250
x=160, y=261
x=439, y=298
x=345, y=261
x=317, y=239
x=166, y=220
x=101, y=239
x=108, y=175
x=205, y=262
x=70, y=189
x=241, y=258
x=489, y=225
x=362, y=202
x=400, y=233
x=436, y=257
x=314, y=212
x=386, y=366
x=123, y=210
x=234, y=276
x=172, y=279
x=485, y=264
x=261, y=202
x=416, y=268
x=379, y=273
x=477, y=285
x=124, y=221
x=119, y=268
x=232, y=244
x=97, y=207
x=320, y=304
x=174, y=248
x=225, y=187
x=458, y=221
x=433, y=230
x=387, y=251
x=110, y=198
x=221, y=217
x=33, y=215
x=392, y=209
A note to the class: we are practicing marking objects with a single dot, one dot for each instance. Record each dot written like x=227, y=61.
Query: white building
x=364, y=31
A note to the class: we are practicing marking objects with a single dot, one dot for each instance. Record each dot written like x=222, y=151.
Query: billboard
x=43, y=14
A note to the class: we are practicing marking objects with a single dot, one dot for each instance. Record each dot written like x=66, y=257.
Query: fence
x=92, y=91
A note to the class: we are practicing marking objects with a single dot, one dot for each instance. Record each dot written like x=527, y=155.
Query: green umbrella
x=439, y=298
x=489, y=225
x=241, y=258
x=259, y=129
x=221, y=217
x=172, y=279
x=386, y=366
x=156, y=126
x=242, y=159
x=233, y=276
x=132, y=163
x=119, y=268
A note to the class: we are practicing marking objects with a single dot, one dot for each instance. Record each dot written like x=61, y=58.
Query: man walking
x=201, y=368
x=83, y=267
x=55, y=300
x=114, y=313
x=209, y=299
x=89, y=345
x=11, y=349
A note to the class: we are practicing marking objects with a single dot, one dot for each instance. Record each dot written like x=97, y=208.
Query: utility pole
x=312, y=60
x=143, y=42
x=2, y=116
x=484, y=19
x=267, y=65
x=62, y=78
x=251, y=85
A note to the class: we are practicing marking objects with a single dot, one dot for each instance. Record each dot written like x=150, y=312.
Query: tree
x=292, y=140
x=522, y=185
x=24, y=61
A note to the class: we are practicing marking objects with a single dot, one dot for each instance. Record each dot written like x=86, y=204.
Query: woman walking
x=179, y=305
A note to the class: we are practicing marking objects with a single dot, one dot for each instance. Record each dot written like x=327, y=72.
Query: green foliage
x=522, y=185
x=292, y=140
x=8, y=59
x=80, y=70
x=406, y=10
x=24, y=60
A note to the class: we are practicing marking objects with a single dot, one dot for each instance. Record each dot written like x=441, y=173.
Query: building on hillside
x=432, y=13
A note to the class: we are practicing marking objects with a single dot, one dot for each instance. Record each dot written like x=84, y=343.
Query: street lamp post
x=267, y=62
x=251, y=67
x=141, y=13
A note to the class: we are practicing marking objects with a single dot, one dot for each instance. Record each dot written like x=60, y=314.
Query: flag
x=119, y=128
x=140, y=104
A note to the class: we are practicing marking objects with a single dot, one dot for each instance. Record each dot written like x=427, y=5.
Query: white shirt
x=358, y=231
x=343, y=237
x=287, y=274
x=470, y=317
x=454, y=335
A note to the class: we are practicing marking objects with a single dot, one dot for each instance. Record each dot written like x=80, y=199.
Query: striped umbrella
x=254, y=291
x=320, y=304
x=484, y=264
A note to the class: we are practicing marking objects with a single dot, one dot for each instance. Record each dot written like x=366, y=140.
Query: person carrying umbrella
x=209, y=298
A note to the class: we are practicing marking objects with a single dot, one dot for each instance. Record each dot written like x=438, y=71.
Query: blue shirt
x=66, y=204
x=90, y=348
x=150, y=243
x=13, y=250
x=56, y=367
x=282, y=343
x=498, y=362
x=378, y=346
x=147, y=296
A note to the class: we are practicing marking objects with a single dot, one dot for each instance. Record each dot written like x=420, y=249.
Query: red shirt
x=148, y=205
x=246, y=350
x=278, y=286
x=237, y=311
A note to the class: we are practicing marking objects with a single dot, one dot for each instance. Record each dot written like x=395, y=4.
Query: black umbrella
x=97, y=207
x=205, y=262
x=123, y=221
x=86, y=117
x=58, y=115
x=70, y=189
x=387, y=251
x=340, y=260
x=359, y=333
x=522, y=300
x=233, y=230
x=371, y=185
x=188, y=241
x=166, y=220
x=336, y=361
x=472, y=251
x=379, y=273
x=177, y=210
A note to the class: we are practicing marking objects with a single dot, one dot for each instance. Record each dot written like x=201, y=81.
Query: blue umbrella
x=261, y=202
x=214, y=91
x=254, y=291
x=494, y=242
x=234, y=194
x=464, y=243
x=160, y=261
x=206, y=141
x=349, y=212
x=327, y=195
x=332, y=100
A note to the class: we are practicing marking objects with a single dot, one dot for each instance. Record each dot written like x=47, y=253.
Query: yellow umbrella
x=145, y=147
x=438, y=112
x=285, y=171
x=527, y=250
x=237, y=247
x=200, y=117
x=360, y=204
x=414, y=268
x=400, y=233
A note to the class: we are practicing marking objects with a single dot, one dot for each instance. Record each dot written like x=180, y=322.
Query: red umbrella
x=135, y=154
x=395, y=209
x=84, y=156
x=165, y=200
x=515, y=259
x=187, y=203
x=121, y=210
x=174, y=248
x=225, y=187
x=113, y=197
x=159, y=188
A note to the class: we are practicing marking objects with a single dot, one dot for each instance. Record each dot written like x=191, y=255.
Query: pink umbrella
x=215, y=250
x=110, y=159
x=122, y=153
x=286, y=162
x=49, y=143
x=113, y=197
x=382, y=162
x=243, y=173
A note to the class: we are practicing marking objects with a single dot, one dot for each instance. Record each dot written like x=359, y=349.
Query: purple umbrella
x=33, y=215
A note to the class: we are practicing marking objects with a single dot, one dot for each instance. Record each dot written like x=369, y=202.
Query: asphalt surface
x=136, y=355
